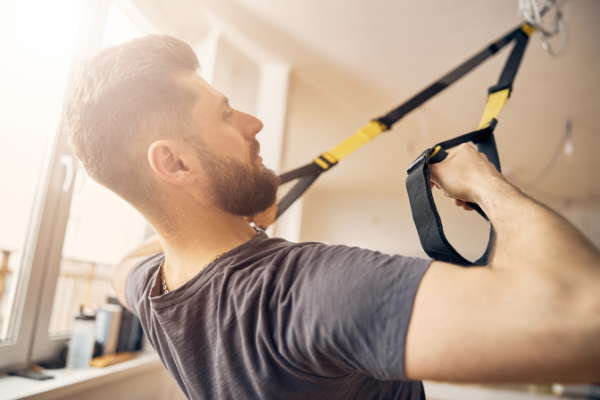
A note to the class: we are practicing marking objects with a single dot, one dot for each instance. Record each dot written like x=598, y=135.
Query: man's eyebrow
x=225, y=100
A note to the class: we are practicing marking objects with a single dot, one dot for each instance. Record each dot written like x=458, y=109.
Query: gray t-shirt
x=272, y=319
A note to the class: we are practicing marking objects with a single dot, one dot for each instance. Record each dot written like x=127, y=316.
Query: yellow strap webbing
x=348, y=146
x=356, y=140
x=527, y=29
x=494, y=105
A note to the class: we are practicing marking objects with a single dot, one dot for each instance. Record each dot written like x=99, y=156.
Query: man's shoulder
x=139, y=280
x=146, y=267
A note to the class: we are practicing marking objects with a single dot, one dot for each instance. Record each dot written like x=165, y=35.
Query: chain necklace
x=164, y=288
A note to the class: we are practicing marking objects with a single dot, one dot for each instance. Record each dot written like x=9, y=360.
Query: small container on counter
x=81, y=345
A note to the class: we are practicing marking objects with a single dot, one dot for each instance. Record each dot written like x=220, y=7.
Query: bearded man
x=235, y=314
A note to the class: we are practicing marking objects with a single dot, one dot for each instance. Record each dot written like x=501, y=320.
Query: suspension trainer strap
x=424, y=212
x=324, y=162
x=296, y=191
x=373, y=129
x=396, y=114
x=425, y=215
x=500, y=93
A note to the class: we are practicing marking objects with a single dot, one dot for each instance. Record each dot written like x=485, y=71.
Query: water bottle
x=81, y=345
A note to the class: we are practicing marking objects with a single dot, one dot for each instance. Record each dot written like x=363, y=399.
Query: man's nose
x=252, y=126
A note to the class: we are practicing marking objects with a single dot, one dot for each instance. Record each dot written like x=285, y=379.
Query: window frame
x=44, y=345
x=31, y=312
x=15, y=351
x=47, y=226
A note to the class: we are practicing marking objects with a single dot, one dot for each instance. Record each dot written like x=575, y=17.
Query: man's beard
x=237, y=188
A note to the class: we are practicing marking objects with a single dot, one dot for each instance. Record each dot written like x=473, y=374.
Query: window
x=47, y=202
x=37, y=40
x=101, y=228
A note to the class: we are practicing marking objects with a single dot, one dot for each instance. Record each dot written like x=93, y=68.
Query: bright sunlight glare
x=38, y=36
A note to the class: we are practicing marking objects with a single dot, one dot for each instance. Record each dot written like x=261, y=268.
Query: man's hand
x=264, y=219
x=464, y=174
x=457, y=202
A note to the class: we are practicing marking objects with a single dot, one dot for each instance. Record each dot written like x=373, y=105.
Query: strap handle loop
x=424, y=211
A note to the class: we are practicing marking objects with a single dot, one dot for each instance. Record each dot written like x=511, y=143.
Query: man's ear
x=171, y=162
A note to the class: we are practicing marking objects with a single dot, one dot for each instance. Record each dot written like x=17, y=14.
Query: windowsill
x=68, y=381
x=447, y=391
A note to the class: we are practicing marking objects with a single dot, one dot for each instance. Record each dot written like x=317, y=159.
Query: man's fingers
x=463, y=204
x=266, y=218
x=459, y=203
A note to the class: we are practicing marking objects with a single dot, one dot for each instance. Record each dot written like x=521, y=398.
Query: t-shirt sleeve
x=338, y=309
x=138, y=281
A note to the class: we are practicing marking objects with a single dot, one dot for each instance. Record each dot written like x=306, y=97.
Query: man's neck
x=195, y=240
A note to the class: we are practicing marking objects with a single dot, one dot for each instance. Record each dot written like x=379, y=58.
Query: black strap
x=512, y=64
x=307, y=175
x=396, y=114
x=299, y=172
x=424, y=212
x=296, y=191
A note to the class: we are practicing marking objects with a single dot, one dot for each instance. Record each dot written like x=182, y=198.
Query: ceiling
x=365, y=57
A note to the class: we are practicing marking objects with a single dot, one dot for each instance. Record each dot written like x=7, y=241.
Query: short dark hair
x=120, y=101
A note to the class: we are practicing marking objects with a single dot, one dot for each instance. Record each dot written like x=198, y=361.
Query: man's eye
x=228, y=115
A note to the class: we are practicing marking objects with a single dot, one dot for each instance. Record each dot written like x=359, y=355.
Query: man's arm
x=120, y=271
x=533, y=315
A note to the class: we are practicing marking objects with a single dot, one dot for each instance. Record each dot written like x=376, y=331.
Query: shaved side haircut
x=121, y=100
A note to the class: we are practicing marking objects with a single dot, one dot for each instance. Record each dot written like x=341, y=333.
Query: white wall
x=384, y=223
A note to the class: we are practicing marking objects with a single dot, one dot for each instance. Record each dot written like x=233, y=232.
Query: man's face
x=229, y=153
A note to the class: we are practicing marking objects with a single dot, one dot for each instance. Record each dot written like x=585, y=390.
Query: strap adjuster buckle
x=423, y=158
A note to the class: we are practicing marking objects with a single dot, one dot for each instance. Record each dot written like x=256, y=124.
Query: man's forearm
x=531, y=235
x=558, y=268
